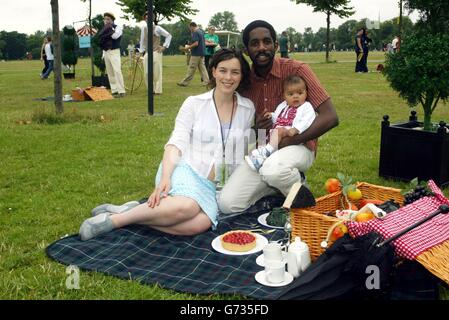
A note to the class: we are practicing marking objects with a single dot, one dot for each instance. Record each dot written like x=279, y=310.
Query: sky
x=28, y=16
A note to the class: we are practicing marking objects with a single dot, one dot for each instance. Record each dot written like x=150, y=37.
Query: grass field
x=52, y=175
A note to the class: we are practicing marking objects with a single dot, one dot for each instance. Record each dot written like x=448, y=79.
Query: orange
x=332, y=185
x=365, y=216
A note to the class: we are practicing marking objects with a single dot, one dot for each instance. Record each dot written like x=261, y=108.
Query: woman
x=208, y=128
x=44, y=57
x=359, y=51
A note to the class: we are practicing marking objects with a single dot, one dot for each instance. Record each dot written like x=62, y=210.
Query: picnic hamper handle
x=444, y=208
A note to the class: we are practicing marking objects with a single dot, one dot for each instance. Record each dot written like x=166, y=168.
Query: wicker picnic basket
x=312, y=224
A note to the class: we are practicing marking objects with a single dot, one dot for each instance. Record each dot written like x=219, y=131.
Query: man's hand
x=160, y=49
x=264, y=121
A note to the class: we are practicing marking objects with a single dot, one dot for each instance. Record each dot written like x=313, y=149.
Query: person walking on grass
x=44, y=57
x=210, y=129
x=110, y=37
x=198, y=51
x=50, y=58
x=211, y=44
x=158, y=32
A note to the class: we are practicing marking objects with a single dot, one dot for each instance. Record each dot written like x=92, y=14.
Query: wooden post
x=400, y=26
x=57, y=54
x=150, y=57
x=91, y=49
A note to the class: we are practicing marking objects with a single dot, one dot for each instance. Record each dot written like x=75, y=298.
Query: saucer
x=260, y=277
x=261, y=261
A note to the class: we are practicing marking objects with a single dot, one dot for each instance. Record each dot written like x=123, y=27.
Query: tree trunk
x=400, y=26
x=57, y=54
x=328, y=20
x=428, y=102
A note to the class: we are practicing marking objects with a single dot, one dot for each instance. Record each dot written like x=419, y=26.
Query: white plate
x=261, y=242
x=263, y=221
x=261, y=262
x=260, y=277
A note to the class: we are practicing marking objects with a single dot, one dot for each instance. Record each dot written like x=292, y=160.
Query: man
x=50, y=58
x=198, y=51
x=283, y=45
x=246, y=186
x=211, y=44
x=395, y=44
x=158, y=32
x=110, y=37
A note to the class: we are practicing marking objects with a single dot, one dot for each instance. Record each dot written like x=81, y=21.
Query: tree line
x=15, y=45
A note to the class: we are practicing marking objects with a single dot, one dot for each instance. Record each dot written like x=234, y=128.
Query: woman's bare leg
x=198, y=224
x=170, y=211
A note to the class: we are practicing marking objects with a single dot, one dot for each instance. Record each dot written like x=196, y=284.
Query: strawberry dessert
x=238, y=240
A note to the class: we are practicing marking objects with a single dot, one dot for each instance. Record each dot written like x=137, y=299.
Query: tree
x=57, y=53
x=69, y=54
x=294, y=37
x=434, y=14
x=15, y=45
x=308, y=38
x=420, y=71
x=344, y=35
x=180, y=34
x=97, y=23
x=167, y=9
x=130, y=34
x=34, y=43
x=224, y=21
x=338, y=7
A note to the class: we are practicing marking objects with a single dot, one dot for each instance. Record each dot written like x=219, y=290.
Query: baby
x=292, y=116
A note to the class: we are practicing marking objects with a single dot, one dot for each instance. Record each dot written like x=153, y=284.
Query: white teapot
x=298, y=257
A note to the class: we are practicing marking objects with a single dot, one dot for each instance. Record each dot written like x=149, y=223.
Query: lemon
x=355, y=194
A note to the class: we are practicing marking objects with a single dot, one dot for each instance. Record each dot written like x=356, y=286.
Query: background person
x=110, y=37
x=44, y=57
x=50, y=58
x=158, y=32
x=283, y=45
x=211, y=40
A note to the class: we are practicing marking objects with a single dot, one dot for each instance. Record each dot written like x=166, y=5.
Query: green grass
x=54, y=169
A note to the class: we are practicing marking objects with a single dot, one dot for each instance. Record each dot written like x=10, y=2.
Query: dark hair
x=257, y=24
x=48, y=38
x=228, y=54
x=110, y=15
x=193, y=24
x=293, y=79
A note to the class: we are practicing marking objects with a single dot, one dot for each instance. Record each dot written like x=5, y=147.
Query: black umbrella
x=341, y=271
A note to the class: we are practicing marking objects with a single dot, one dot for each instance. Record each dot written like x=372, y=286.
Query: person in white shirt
x=395, y=44
x=110, y=37
x=158, y=32
x=50, y=58
x=211, y=132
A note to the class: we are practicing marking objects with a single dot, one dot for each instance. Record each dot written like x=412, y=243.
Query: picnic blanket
x=184, y=264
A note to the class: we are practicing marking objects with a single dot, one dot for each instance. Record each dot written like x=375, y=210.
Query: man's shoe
x=181, y=84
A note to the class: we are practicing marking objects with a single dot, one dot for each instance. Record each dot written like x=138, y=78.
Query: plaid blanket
x=185, y=264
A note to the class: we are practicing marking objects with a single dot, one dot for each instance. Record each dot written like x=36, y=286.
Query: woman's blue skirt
x=187, y=183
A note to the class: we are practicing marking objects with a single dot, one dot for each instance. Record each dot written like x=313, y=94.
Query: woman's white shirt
x=197, y=133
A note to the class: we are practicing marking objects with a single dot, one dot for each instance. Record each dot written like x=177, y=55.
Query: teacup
x=272, y=252
x=275, y=271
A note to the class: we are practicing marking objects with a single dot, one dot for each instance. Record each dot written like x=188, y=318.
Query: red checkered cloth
x=420, y=239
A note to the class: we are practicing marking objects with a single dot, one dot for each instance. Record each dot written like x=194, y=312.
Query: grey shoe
x=95, y=226
x=110, y=208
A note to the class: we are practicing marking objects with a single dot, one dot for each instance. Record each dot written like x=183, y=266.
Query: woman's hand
x=159, y=193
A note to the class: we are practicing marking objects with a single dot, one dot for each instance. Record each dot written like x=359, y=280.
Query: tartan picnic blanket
x=183, y=264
